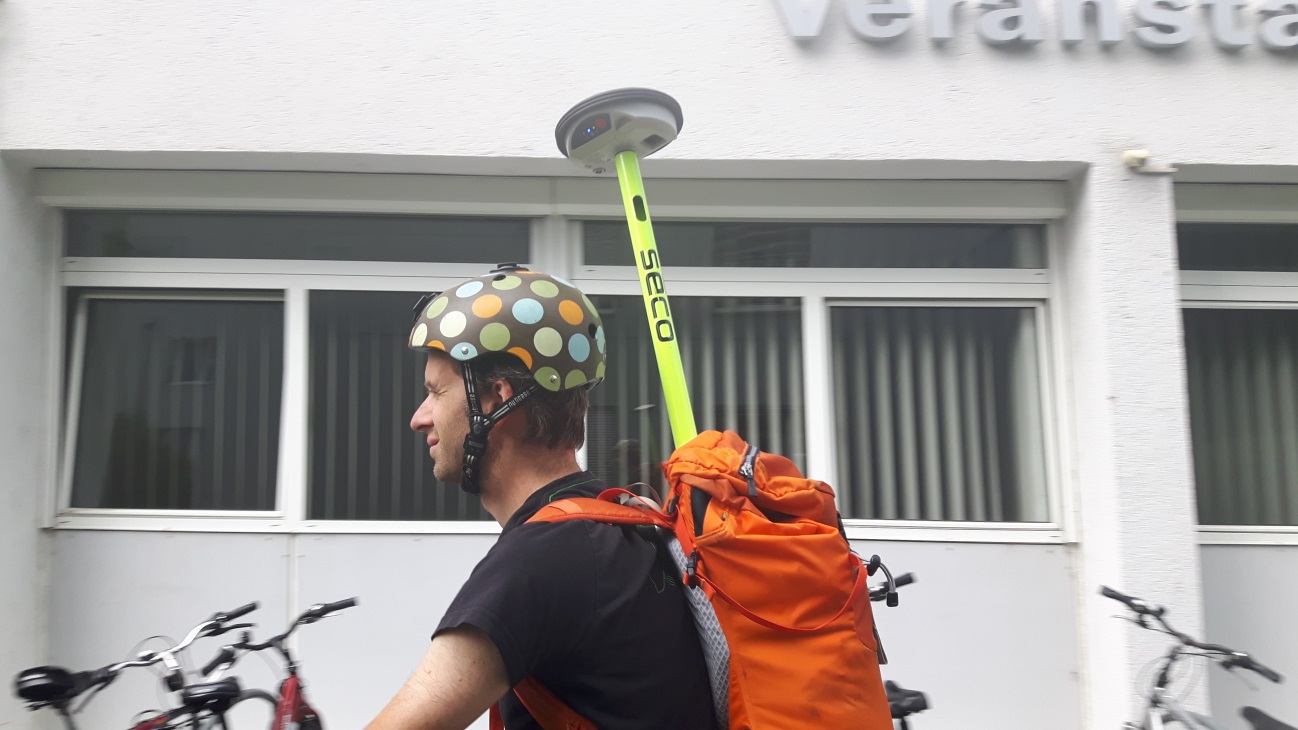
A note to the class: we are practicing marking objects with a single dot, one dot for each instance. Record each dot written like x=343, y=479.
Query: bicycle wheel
x=211, y=723
x=1185, y=720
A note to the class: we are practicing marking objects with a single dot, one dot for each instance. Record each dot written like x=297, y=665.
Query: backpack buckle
x=691, y=579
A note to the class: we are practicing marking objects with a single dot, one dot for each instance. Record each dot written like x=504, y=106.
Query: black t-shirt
x=593, y=612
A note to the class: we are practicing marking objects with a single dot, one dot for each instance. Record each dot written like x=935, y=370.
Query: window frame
x=1239, y=203
x=556, y=207
x=72, y=421
x=1233, y=296
x=1049, y=455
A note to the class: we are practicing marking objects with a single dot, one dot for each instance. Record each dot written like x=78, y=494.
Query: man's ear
x=496, y=395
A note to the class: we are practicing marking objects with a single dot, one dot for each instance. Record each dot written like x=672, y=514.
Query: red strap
x=589, y=508
x=494, y=719
x=613, y=494
x=851, y=599
x=549, y=711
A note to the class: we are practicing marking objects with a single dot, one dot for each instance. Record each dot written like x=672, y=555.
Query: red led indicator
x=601, y=123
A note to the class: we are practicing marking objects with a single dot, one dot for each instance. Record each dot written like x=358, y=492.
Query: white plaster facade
x=467, y=88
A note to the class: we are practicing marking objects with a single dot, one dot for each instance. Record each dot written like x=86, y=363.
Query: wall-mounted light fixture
x=1142, y=161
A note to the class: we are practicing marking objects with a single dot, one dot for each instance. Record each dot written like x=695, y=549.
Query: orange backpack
x=778, y=595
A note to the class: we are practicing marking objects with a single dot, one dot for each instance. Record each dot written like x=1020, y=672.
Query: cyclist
x=588, y=610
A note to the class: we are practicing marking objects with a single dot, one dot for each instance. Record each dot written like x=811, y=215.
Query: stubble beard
x=449, y=468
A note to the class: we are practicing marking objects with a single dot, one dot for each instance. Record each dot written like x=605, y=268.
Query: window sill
x=268, y=523
x=262, y=523
x=1248, y=535
x=168, y=521
x=935, y=531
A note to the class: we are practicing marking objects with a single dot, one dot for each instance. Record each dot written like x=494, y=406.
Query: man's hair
x=555, y=419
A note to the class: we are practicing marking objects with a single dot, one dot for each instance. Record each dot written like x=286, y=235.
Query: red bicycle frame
x=293, y=712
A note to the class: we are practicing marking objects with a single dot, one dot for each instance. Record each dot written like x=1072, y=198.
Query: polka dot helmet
x=540, y=319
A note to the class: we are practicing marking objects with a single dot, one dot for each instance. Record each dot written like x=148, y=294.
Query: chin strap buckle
x=474, y=447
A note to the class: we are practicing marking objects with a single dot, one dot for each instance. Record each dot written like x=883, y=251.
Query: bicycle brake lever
x=225, y=629
x=1230, y=666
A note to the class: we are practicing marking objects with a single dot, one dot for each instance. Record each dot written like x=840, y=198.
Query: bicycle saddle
x=45, y=684
x=904, y=702
x=1262, y=721
x=213, y=695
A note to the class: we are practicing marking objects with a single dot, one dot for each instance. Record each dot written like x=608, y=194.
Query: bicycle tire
x=1201, y=722
x=257, y=694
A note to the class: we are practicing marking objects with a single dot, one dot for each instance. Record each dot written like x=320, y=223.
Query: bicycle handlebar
x=78, y=683
x=236, y=613
x=1135, y=604
x=230, y=653
x=215, y=626
x=1253, y=665
x=1233, y=658
x=324, y=609
x=309, y=616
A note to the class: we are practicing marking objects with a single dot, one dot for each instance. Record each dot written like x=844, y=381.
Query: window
x=115, y=233
x=1237, y=247
x=1243, y=382
x=937, y=413
x=742, y=360
x=254, y=367
x=179, y=391
x=1241, y=345
x=366, y=463
x=934, y=409
x=179, y=402
x=825, y=245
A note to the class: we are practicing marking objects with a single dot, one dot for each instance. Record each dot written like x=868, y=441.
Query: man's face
x=443, y=417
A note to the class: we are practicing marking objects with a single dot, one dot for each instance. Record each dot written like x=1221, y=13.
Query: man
x=590, y=611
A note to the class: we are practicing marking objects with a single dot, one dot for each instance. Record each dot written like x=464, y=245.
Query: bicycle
x=901, y=701
x=57, y=688
x=292, y=711
x=1163, y=711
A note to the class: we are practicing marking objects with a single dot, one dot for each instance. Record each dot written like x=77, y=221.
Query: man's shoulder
x=541, y=546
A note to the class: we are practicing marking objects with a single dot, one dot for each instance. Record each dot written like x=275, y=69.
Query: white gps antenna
x=594, y=131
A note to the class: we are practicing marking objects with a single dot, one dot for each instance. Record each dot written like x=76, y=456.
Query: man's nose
x=422, y=418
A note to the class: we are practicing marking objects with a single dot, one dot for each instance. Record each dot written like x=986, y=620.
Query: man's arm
x=459, y=678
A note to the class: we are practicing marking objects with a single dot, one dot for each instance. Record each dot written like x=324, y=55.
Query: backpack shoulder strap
x=599, y=510
x=548, y=710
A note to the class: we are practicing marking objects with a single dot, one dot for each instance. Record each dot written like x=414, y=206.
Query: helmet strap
x=480, y=425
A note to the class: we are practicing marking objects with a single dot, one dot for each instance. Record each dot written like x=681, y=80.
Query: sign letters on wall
x=1159, y=24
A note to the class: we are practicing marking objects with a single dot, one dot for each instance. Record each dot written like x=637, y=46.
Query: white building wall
x=1133, y=487
x=465, y=78
x=468, y=87
x=1001, y=660
x=26, y=433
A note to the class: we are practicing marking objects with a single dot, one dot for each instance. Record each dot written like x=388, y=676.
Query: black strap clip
x=691, y=567
x=748, y=468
